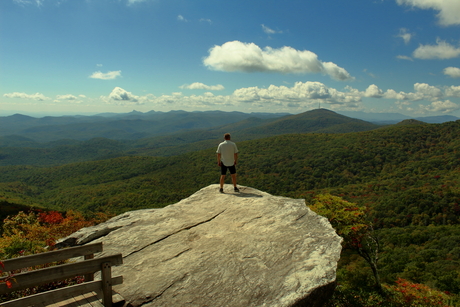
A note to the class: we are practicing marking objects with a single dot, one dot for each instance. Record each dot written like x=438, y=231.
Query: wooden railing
x=86, y=268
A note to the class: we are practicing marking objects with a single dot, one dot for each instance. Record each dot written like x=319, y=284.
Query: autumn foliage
x=32, y=232
x=411, y=294
x=35, y=232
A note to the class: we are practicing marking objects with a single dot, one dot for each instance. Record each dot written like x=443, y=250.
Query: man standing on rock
x=227, y=157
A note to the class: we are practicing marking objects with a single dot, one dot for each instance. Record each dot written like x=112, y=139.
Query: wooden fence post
x=89, y=277
x=106, y=274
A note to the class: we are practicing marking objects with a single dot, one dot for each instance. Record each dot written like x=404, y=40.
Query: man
x=227, y=158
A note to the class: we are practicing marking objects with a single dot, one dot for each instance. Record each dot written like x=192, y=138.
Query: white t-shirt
x=227, y=150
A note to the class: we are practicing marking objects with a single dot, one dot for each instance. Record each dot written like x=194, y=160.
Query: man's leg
x=222, y=181
x=234, y=179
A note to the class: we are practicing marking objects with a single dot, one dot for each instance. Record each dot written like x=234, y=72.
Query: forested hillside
x=406, y=176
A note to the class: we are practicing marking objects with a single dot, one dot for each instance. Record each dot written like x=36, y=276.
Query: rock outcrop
x=212, y=249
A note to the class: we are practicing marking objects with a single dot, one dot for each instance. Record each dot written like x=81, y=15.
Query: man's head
x=227, y=136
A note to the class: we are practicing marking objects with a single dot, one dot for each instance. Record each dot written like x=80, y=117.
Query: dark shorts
x=223, y=169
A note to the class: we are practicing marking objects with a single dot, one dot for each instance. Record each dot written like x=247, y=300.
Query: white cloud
x=301, y=94
x=449, y=10
x=428, y=91
x=248, y=57
x=405, y=35
x=36, y=96
x=121, y=97
x=201, y=86
x=442, y=50
x=106, y=76
x=66, y=97
x=297, y=98
x=446, y=106
x=268, y=30
x=452, y=91
x=453, y=72
x=392, y=94
x=373, y=91
x=130, y=2
x=404, y=57
x=181, y=18
x=24, y=2
x=206, y=20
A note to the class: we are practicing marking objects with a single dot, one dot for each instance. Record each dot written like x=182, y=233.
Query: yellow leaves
x=348, y=219
x=29, y=233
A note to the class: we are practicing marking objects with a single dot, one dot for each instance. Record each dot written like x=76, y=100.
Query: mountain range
x=52, y=141
x=164, y=134
x=138, y=125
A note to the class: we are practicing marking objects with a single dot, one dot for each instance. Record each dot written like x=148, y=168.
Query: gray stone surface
x=212, y=249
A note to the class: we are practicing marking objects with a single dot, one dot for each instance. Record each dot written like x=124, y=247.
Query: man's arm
x=218, y=159
x=235, y=157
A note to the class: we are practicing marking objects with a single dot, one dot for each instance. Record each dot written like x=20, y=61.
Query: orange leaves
x=347, y=218
x=52, y=217
x=412, y=294
x=7, y=280
x=9, y=284
x=29, y=233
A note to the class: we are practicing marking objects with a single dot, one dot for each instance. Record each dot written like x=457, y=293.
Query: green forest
x=405, y=177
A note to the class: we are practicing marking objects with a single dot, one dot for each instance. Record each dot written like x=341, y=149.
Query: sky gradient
x=92, y=56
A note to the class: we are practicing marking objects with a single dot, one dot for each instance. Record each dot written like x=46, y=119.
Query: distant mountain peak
x=410, y=122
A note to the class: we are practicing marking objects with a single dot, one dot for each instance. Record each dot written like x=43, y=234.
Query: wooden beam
x=57, y=295
x=59, y=272
x=48, y=257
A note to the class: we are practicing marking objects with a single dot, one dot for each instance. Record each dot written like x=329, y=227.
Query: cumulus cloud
x=428, y=91
x=121, y=97
x=248, y=57
x=452, y=91
x=446, y=106
x=453, y=72
x=373, y=91
x=36, y=96
x=449, y=10
x=405, y=35
x=106, y=76
x=201, y=86
x=442, y=50
x=301, y=94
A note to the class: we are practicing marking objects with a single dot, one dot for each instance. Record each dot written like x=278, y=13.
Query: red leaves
x=51, y=217
x=6, y=280
x=9, y=284
x=412, y=294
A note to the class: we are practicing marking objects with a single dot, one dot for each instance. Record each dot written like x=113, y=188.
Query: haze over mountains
x=51, y=141
x=137, y=125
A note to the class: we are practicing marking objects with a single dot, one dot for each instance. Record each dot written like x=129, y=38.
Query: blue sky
x=93, y=56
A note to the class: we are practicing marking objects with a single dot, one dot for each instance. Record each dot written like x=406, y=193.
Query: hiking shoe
x=236, y=189
x=221, y=190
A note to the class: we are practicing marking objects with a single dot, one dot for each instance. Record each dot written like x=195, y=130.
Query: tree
x=349, y=221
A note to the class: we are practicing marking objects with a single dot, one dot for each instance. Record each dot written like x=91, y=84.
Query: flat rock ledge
x=222, y=249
